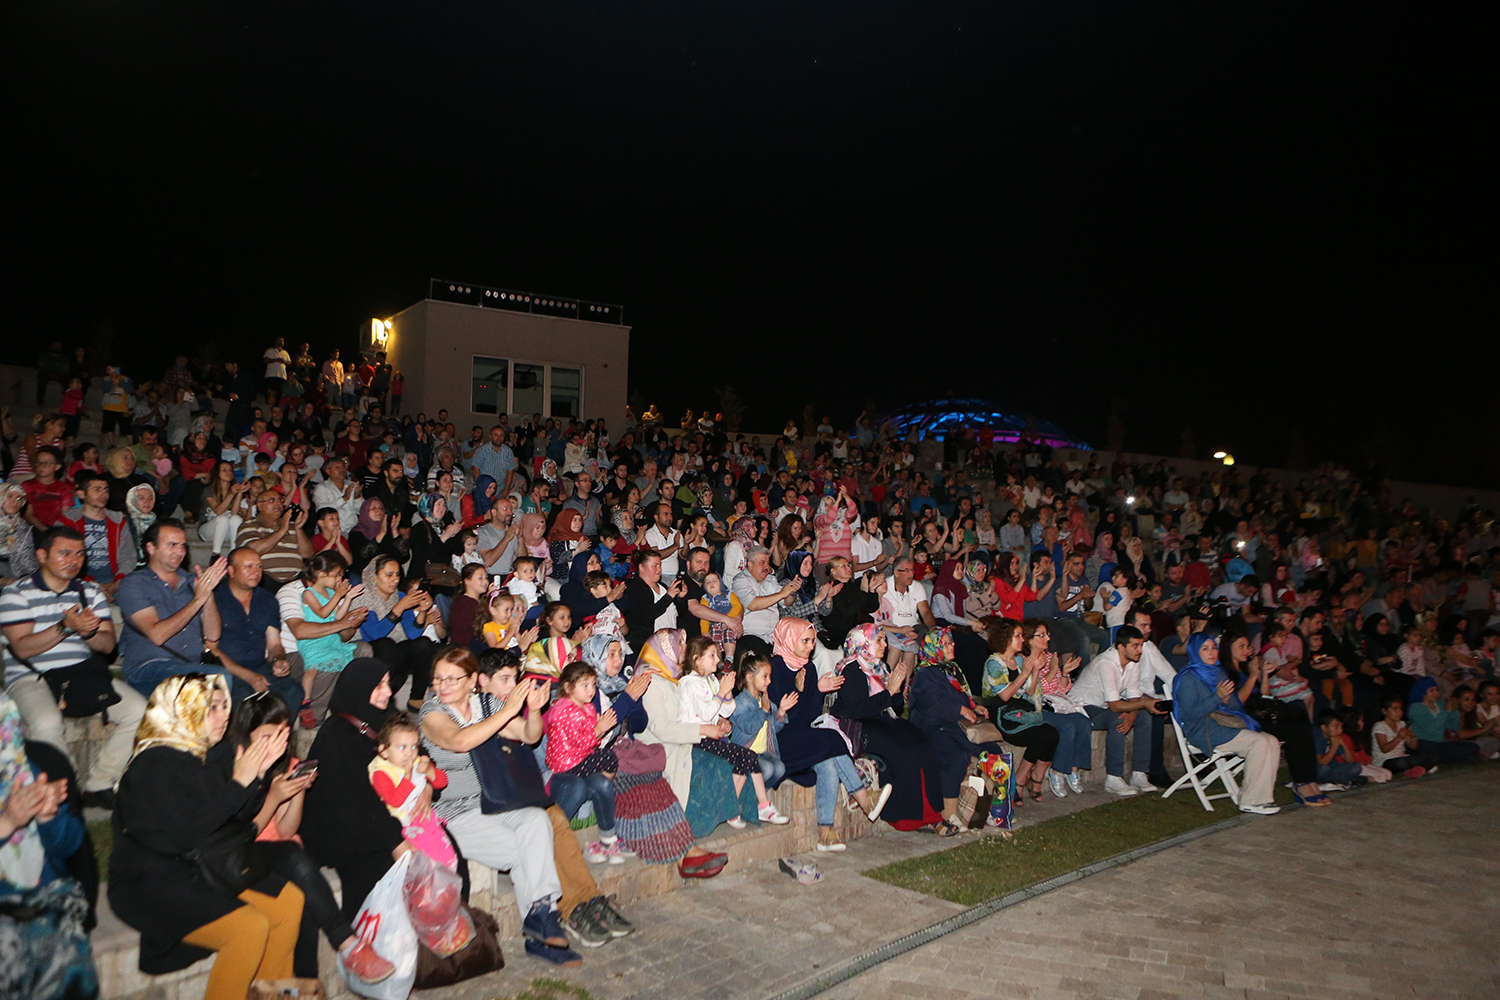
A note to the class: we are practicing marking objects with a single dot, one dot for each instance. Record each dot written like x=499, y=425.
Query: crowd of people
x=494, y=636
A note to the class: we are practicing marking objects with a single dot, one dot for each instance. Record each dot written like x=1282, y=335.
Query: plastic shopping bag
x=435, y=907
x=382, y=923
x=997, y=769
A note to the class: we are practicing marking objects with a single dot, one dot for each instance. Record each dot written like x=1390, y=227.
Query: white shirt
x=762, y=622
x=864, y=551
x=700, y=703
x=902, y=608
x=1104, y=681
x=1156, y=667
x=276, y=361
x=1231, y=593
x=289, y=601
x=658, y=540
x=668, y=618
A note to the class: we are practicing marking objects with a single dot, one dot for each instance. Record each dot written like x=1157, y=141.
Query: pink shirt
x=570, y=734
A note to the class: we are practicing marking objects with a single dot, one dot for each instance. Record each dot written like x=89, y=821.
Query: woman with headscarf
x=375, y=534
x=42, y=909
x=741, y=540
x=140, y=509
x=941, y=706
x=871, y=696
x=432, y=533
x=534, y=541
x=814, y=753
x=809, y=601
x=702, y=782
x=834, y=525
x=564, y=540
x=959, y=585
x=475, y=507
x=1208, y=708
x=17, y=550
x=396, y=625
x=1133, y=557
x=1104, y=552
x=170, y=802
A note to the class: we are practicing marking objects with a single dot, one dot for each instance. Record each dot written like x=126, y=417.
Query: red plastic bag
x=434, y=904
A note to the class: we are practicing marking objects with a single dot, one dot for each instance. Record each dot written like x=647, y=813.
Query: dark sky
x=1259, y=219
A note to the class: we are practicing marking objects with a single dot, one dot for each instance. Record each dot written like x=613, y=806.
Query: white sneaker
x=880, y=800
x=1055, y=782
x=736, y=823
x=1261, y=809
x=1141, y=783
x=1118, y=786
x=1075, y=782
x=768, y=814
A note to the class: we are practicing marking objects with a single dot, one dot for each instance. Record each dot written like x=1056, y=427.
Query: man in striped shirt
x=276, y=535
x=52, y=620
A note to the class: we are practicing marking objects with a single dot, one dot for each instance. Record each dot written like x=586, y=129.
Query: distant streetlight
x=1224, y=457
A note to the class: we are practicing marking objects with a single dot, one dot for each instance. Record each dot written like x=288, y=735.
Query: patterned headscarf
x=784, y=641
x=663, y=653
x=594, y=652
x=859, y=649
x=425, y=506
x=140, y=518
x=547, y=657
x=22, y=855
x=177, y=714
x=743, y=531
x=931, y=652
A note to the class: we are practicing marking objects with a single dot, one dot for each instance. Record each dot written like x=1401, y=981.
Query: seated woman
x=806, y=747
x=1011, y=678
x=871, y=696
x=1288, y=721
x=962, y=595
x=432, y=533
x=1432, y=720
x=1208, y=708
x=395, y=626
x=375, y=534
x=532, y=839
x=940, y=707
x=854, y=602
x=169, y=802
x=42, y=933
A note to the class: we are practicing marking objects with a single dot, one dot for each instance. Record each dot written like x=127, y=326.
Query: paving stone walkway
x=1351, y=901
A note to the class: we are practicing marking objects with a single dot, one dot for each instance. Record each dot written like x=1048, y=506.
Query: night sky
x=1263, y=220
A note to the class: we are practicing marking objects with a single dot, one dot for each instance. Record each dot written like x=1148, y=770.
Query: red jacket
x=122, y=551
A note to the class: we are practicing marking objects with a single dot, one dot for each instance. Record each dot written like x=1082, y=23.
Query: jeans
x=570, y=792
x=288, y=689
x=145, y=676
x=831, y=773
x=772, y=769
x=1074, y=744
x=1114, y=741
x=1080, y=637
x=1337, y=774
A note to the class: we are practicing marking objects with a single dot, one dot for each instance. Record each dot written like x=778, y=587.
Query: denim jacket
x=747, y=719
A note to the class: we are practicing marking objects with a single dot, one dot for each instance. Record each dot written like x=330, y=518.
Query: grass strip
x=992, y=866
x=553, y=989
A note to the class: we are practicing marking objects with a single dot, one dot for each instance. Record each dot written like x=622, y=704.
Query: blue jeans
x=831, y=773
x=772, y=769
x=570, y=792
x=1337, y=774
x=145, y=676
x=287, y=689
x=1114, y=741
x=1074, y=744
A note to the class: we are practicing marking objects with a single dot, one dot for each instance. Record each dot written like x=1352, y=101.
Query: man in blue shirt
x=495, y=460
x=168, y=612
x=249, y=643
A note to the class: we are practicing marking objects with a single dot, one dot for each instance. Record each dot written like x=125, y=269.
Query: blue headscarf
x=1237, y=569
x=1212, y=675
x=594, y=651
x=482, y=501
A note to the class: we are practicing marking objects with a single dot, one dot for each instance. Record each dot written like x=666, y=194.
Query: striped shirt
x=27, y=601
x=283, y=563
x=462, y=794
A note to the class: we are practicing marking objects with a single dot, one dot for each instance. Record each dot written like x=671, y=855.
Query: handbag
x=441, y=574
x=81, y=689
x=480, y=956
x=973, y=809
x=228, y=859
x=508, y=777
x=983, y=732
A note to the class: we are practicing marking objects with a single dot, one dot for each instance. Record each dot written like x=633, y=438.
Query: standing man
x=249, y=645
x=169, y=612
x=58, y=624
x=333, y=378
x=664, y=538
x=495, y=460
x=276, y=359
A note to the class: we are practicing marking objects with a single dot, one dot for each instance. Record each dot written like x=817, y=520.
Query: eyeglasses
x=449, y=681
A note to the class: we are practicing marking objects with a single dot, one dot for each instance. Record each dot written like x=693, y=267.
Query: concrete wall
x=434, y=343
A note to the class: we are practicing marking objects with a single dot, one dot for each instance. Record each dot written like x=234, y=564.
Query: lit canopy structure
x=938, y=418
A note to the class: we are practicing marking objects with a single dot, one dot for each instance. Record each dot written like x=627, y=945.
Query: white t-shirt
x=902, y=608
x=1379, y=756
x=658, y=540
x=276, y=361
x=289, y=601
x=762, y=622
x=864, y=551
x=1104, y=681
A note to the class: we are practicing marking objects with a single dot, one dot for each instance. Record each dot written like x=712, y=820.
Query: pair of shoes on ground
x=1139, y=782
x=703, y=865
x=595, y=922
x=615, y=852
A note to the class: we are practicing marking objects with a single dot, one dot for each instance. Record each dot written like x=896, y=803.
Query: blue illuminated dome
x=938, y=418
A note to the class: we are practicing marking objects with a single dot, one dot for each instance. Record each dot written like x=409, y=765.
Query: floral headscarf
x=594, y=652
x=930, y=654
x=10, y=524
x=789, y=631
x=426, y=505
x=177, y=714
x=547, y=657
x=859, y=649
x=743, y=531
x=22, y=855
x=663, y=653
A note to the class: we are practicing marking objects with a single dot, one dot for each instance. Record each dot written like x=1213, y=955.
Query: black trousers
x=412, y=658
x=320, y=911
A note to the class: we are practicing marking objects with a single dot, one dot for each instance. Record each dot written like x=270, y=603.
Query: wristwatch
x=64, y=631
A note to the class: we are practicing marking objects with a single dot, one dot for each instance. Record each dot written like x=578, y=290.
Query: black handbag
x=508, y=775
x=229, y=860
x=479, y=957
x=81, y=689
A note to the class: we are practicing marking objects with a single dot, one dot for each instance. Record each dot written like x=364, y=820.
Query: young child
x=1113, y=598
x=1335, y=767
x=85, y=457
x=1471, y=726
x=1283, y=681
x=755, y=722
x=72, y=409
x=469, y=541
x=161, y=462
x=1353, y=739
x=557, y=618
x=400, y=777
x=496, y=618
x=1394, y=746
x=581, y=769
x=523, y=585
x=707, y=701
x=327, y=597
x=717, y=597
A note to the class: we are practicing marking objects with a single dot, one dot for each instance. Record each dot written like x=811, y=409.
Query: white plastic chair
x=1219, y=766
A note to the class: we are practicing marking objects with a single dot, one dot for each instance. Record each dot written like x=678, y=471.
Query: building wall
x=434, y=344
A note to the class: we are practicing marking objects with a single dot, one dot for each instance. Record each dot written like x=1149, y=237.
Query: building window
x=567, y=392
x=530, y=390
x=491, y=385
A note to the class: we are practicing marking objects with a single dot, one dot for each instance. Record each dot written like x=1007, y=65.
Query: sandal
x=946, y=828
x=1036, y=790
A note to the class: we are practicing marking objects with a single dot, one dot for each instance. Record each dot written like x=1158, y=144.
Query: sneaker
x=610, y=917
x=1056, y=783
x=829, y=841
x=1075, y=783
x=1115, y=785
x=736, y=823
x=595, y=853
x=1141, y=783
x=585, y=925
x=1260, y=809
x=542, y=925
x=768, y=814
x=615, y=851
x=364, y=964
x=557, y=956
x=618, y=848
x=1414, y=772
x=880, y=801
x=1333, y=786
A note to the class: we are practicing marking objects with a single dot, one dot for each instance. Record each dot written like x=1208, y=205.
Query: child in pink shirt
x=581, y=769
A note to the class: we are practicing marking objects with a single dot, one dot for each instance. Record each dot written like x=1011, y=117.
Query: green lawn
x=103, y=836
x=992, y=866
x=552, y=989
